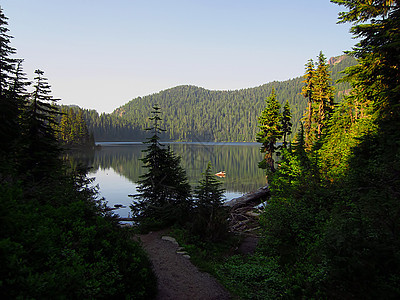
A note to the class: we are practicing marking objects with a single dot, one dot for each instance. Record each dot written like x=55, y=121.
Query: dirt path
x=177, y=277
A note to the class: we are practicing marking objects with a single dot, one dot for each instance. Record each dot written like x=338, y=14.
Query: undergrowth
x=244, y=276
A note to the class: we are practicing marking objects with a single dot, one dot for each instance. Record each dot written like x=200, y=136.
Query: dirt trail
x=177, y=277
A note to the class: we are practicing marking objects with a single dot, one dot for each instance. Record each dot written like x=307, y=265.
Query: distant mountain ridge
x=193, y=113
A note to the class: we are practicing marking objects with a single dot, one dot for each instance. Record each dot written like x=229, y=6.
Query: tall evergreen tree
x=270, y=124
x=19, y=82
x=6, y=62
x=164, y=192
x=377, y=77
x=322, y=95
x=319, y=92
x=40, y=147
x=286, y=123
x=17, y=101
x=307, y=92
x=8, y=104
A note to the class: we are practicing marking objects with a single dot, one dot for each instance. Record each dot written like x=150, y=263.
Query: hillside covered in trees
x=330, y=229
x=192, y=113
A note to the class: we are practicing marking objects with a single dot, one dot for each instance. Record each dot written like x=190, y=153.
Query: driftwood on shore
x=251, y=198
x=109, y=208
x=125, y=219
x=243, y=214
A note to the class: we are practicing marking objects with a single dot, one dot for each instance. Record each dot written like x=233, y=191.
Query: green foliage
x=206, y=255
x=210, y=217
x=270, y=124
x=331, y=221
x=360, y=243
x=319, y=93
x=286, y=123
x=56, y=241
x=307, y=91
x=56, y=244
x=196, y=114
x=9, y=105
x=253, y=277
x=164, y=192
x=72, y=130
x=209, y=192
x=322, y=95
x=39, y=149
x=349, y=123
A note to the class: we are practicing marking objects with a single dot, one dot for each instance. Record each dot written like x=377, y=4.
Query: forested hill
x=192, y=113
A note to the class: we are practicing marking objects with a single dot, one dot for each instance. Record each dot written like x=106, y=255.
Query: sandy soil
x=177, y=277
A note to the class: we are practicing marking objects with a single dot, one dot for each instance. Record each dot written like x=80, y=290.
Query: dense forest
x=57, y=240
x=192, y=113
x=331, y=226
x=71, y=129
x=329, y=230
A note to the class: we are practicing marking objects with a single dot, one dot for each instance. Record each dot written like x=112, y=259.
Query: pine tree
x=209, y=192
x=9, y=107
x=210, y=220
x=40, y=148
x=319, y=92
x=377, y=77
x=164, y=192
x=286, y=123
x=322, y=95
x=6, y=62
x=19, y=83
x=270, y=124
x=307, y=92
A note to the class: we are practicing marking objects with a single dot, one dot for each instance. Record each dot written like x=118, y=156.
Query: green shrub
x=252, y=277
x=67, y=251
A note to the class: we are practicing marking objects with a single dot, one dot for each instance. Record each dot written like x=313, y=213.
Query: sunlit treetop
x=364, y=10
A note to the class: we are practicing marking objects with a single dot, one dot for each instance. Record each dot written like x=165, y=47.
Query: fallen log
x=248, y=198
x=125, y=219
x=245, y=210
x=110, y=208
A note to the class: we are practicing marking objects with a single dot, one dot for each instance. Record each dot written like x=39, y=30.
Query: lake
x=116, y=167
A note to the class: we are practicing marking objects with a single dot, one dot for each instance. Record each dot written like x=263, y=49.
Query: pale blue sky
x=102, y=53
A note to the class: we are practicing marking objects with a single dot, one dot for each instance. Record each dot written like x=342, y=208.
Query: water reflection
x=115, y=188
x=238, y=161
x=117, y=167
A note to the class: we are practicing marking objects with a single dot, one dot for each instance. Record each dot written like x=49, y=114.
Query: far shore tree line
x=330, y=228
x=165, y=196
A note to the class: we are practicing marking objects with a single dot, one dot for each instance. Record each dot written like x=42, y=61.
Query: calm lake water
x=117, y=167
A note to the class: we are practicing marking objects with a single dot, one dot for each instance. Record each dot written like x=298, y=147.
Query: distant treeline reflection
x=238, y=161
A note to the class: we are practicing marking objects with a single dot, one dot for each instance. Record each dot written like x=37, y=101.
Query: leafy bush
x=67, y=251
x=252, y=277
